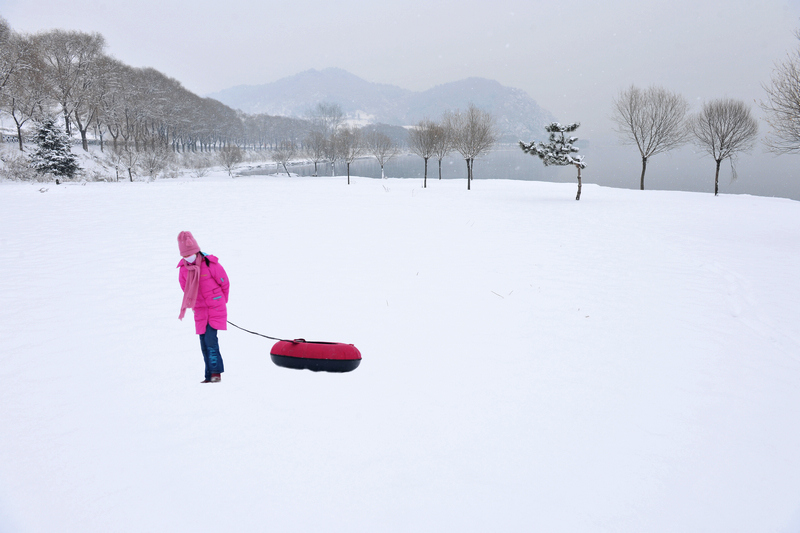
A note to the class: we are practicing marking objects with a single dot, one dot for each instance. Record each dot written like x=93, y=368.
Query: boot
x=216, y=378
x=206, y=381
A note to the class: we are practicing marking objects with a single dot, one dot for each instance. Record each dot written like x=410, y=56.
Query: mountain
x=518, y=115
x=298, y=94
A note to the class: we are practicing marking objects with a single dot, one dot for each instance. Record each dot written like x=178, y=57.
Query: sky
x=573, y=57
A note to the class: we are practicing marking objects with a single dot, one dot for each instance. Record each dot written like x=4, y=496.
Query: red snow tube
x=316, y=356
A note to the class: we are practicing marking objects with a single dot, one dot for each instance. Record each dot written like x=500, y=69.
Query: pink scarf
x=192, y=284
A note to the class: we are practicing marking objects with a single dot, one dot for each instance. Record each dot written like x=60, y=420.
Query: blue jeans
x=211, y=356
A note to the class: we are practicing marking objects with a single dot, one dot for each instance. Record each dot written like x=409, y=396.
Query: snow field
x=627, y=363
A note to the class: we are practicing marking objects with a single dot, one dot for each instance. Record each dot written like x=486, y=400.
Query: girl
x=205, y=290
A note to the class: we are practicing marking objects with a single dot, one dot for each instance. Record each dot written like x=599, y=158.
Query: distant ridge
x=518, y=115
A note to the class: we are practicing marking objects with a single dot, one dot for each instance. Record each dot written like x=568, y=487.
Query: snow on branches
x=53, y=154
x=558, y=150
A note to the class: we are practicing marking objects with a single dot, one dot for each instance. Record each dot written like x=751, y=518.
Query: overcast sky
x=571, y=56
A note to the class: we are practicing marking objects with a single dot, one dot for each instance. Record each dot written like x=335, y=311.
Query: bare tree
x=126, y=157
x=69, y=56
x=26, y=92
x=283, y=153
x=11, y=56
x=199, y=165
x=350, y=146
x=422, y=141
x=558, y=150
x=229, y=157
x=94, y=87
x=381, y=147
x=443, y=143
x=327, y=117
x=473, y=135
x=333, y=151
x=314, y=147
x=111, y=99
x=724, y=128
x=783, y=106
x=155, y=160
x=653, y=120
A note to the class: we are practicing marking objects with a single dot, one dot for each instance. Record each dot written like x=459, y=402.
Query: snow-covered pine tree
x=558, y=151
x=53, y=154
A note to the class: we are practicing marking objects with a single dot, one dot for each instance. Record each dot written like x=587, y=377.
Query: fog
x=689, y=169
x=572, y=57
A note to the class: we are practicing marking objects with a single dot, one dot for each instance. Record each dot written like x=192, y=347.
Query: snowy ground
x=626, y=363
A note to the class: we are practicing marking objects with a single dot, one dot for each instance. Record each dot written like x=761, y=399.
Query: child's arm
x=221, y=277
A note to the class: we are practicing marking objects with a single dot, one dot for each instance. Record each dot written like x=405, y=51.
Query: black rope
x=259, y=334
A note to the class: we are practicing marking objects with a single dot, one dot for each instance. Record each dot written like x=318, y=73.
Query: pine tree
x=53, y=155
x=558, y=151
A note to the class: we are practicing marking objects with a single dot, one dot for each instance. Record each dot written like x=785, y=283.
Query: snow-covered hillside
x=626, y=363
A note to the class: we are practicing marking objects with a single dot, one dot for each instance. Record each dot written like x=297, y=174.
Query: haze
x=572, y=57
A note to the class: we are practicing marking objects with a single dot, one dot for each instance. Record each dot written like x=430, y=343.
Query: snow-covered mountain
x=298, y=94
x=518, y=115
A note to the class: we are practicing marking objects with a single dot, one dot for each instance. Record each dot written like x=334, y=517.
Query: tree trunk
x=644, y=167
x=19, y=135
x=440, y=169
x=471, y=169
x=469, y=175
x=716, y=178
x=67, y=127
x=348, y=172
x=82, y=129
x=383, y=175
x=579, y=183
x=425, y=178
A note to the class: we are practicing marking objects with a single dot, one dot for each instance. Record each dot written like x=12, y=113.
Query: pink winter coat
x=212, y=294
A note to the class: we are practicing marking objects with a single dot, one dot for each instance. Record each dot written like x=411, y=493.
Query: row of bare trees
x=657, y=120
x=138, y=110
x=470, y=133
x=328, y=139
x=68, y=73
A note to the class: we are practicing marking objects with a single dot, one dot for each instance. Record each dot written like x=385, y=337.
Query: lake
x=502, y=163
x=608, y=164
